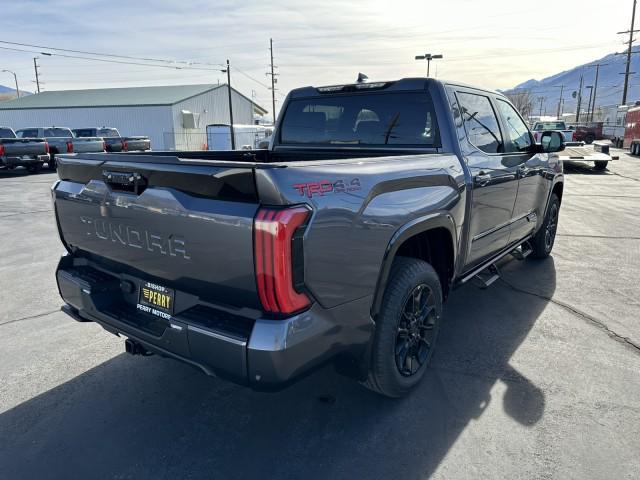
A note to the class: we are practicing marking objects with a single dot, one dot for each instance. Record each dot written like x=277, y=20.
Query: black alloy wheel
x=416, y=330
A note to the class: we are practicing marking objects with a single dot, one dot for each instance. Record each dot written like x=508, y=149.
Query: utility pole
x=15, y=78
x=541, y=100
x=274, y=80
x=589, y=111
x=560, y=101
x=631, y=31
x=233, y=134
x=595, y=86
x=579, y=99
x=35, y=67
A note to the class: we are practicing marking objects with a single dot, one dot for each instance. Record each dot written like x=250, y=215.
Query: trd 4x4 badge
x=326, y=186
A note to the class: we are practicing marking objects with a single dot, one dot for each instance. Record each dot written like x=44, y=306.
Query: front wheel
x=406, y=328
x=542, y=242
x=601, y=165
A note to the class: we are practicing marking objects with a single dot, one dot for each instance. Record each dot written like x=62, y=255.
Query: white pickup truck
x=558, y=126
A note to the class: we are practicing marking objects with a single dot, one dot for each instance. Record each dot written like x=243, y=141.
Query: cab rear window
x=402, y=118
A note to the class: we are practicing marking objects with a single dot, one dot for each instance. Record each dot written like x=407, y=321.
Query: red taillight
x=2, y=150
x=104, y=146
x=69, y=147
x=46, y=147
x=274, y=239
x=125, y=146
x=573, y=137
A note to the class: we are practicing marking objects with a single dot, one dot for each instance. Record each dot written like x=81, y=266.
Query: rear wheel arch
x=557, y=189
x=420, y=239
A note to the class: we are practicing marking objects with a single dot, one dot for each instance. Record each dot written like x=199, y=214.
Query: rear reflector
x=275, y=231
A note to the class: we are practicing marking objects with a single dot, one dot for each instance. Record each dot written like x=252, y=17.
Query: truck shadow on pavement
x=134, y=417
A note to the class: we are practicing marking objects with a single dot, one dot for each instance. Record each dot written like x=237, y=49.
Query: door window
x=517, y=131
x=480, y=122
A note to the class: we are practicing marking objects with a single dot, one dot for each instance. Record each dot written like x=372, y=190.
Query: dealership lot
x=537, y=377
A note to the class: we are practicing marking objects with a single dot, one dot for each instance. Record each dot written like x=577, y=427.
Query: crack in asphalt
x=595, y=236
x=578, y=313
x=24, y=213
x=30, y=317
x=625, y=176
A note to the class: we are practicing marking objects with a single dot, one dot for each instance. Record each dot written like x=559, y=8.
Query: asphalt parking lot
x=536, y=377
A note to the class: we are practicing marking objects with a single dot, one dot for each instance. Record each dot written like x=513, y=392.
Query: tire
x=52, y=164
x=589, y=138
x=34, y=168
x=399, y=333
x=634, y=149
x=601, y=165
x=542, y=242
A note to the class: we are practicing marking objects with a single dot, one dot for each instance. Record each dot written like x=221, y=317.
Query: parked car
x=113, y=140
x=30, y=153
x=339, y=243
x=555, y=126
x=62, y=140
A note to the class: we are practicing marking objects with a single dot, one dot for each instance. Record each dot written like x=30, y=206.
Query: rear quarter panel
x=358, y=207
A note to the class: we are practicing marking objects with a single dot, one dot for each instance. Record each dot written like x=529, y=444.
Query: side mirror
x=551, y=141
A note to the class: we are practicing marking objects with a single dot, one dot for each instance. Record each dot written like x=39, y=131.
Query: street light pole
x=428, y=57
x=15, y=78
x=233, y=135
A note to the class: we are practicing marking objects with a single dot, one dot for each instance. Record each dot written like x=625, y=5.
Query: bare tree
x=522, y=100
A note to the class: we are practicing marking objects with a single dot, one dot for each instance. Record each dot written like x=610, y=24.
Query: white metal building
x=174, y=117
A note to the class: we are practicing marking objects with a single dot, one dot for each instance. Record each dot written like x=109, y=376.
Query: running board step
x=487, y=277
x=522, y=252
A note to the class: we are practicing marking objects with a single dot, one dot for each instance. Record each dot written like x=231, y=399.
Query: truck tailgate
x=177, y=225
x=24, y=146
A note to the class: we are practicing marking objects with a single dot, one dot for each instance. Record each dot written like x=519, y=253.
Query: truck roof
x=410, y=83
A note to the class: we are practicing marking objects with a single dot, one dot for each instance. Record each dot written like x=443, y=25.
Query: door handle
x=482, y=178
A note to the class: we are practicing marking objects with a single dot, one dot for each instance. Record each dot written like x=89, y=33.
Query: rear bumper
x=265, y=354
x=12, y=162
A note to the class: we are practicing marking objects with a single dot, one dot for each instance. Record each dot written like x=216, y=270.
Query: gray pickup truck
x=114, y=142
x=62, y=140
x=30, y=153
x=338, y=243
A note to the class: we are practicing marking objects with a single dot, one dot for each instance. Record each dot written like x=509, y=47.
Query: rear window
x=6, y=133
x=83, y=132
x=550, y=126
x=373, y=119
x=27, y=133
x=57, y=132
x=108, y=132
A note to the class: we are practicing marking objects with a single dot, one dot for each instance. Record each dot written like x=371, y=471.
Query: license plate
x=156, y=300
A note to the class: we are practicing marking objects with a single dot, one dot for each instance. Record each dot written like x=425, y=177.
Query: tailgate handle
x=125, y=181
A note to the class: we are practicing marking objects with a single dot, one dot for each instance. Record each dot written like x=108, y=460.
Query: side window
x=517, y=131
x=480, y=122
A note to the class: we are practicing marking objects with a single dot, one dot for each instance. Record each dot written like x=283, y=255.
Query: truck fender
x=408, y=230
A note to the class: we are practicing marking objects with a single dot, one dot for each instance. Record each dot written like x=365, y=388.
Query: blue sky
x=496, y=44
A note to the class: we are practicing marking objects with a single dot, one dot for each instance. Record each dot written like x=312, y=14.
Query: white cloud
x=491, y=43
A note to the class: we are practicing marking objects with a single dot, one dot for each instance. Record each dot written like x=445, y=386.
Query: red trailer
x=632, y=131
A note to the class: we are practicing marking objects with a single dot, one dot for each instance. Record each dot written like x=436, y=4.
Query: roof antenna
x=362, y=78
